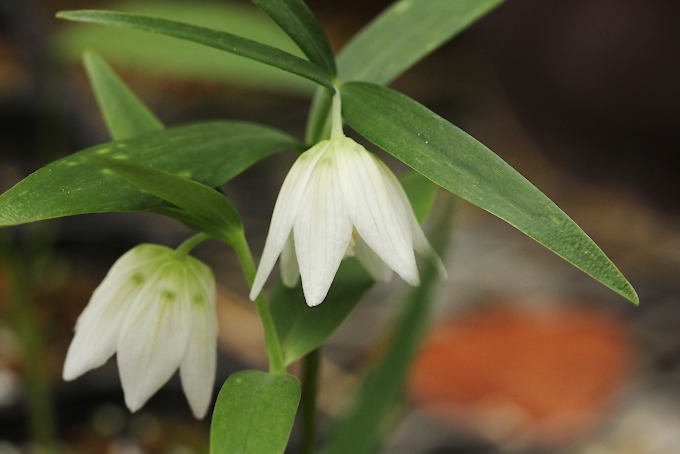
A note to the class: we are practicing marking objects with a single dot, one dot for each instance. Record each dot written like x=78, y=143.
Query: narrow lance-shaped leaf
x=210, y=153
x=125, y=115
x=394, y=41
x=457, y=162
x=362, y=428
x=301, y=328
x=213, y=38
x=254, y=413
x=208, y=210
x=296, y=19
x=150, y=54
x=403, y=34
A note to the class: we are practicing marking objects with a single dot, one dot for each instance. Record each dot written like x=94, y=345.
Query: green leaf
x=168, y=58
x=254, y=413
x=421, y=193
x=403, y=34
x=209, y=37
x=301, y=328
x=209, y=210
x=393, y=42
x=296, y=19
x=362, y=428
x=210, y=153
x=124, y=113
x=457, y=162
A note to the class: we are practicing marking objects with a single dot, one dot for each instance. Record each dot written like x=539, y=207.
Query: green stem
x=25, y=320
x=274, y=351
x=310, y=382
x=191, y=242
x=336, y=116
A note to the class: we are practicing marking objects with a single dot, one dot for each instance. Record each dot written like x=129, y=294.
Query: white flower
x=338, y=200
x=156, y=310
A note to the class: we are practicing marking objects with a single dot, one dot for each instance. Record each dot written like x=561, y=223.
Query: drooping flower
x=340, y=200
x=156, y=310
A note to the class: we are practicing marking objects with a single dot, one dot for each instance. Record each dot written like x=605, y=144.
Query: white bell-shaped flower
x=156, y=310
x=338, y=200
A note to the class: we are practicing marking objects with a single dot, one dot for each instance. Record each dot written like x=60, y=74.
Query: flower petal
x=378, y=269
x=322, y=232
x=290, y=272
x=97, y=328
x=154, y=336
x=382, y=225
x=400, y=199
x=197, y=371
x=291, y=196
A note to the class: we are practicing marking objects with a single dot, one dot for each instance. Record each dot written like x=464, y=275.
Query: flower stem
x=274, y=352
x=310, y=381
x=191, y=242
x=24, y=318
x=336, y=116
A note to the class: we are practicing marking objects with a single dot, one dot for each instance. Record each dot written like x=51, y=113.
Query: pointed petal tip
x=411, y=278
x=70, y=373
x=315, y=294
x=198, y=409
x=133, y=404
x=313, y=303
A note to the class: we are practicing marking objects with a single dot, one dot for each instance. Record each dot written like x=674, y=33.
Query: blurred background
x=525, y=353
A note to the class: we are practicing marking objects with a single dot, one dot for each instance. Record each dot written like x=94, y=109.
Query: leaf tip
x=63, y=15
x=631, y=295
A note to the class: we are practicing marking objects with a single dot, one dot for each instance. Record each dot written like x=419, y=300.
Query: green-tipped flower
x=156, y=310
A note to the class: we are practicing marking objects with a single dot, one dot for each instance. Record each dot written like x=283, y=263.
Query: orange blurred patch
x=518, y=376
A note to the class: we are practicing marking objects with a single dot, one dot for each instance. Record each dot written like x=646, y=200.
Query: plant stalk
x=191, y=242
x=274, y=351
x=310, y=382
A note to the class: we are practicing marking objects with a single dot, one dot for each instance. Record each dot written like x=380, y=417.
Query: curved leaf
x=296, y=19
x=209, y=37
x=394, y=41
x=149, y=54
x=204, y=208
x=403, y=34
x=210, y=153
x=457, y=162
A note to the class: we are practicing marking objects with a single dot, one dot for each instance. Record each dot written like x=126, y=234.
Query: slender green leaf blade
x=125, y=115
x=301, y=328
x=210, y=210
x=254, y=413
x=298, y=21
x=209, y=37
x=361, y=430
x=394, y=41
x=151, y=55
x=210, y=153
x=459, y=163
x=403, y=34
